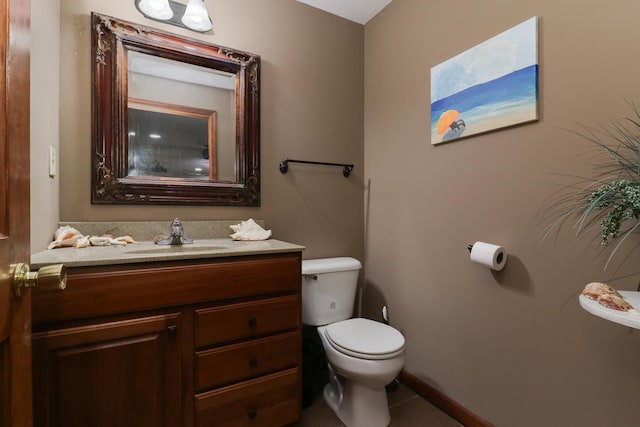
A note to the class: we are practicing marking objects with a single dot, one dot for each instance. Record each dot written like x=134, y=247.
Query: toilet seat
x=365, y=339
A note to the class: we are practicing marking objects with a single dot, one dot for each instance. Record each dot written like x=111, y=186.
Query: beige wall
x=311, y=108
x=514, y=346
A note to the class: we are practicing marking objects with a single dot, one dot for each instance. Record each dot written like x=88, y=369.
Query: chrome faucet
x=177, y=235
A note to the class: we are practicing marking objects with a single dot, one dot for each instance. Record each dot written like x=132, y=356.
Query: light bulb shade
x=196, y=16
x=156, y=9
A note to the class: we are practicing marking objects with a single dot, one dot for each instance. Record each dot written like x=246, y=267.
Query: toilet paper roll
x=492, y=256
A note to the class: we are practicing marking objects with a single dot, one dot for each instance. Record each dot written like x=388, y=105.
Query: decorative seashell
x=83, y=242
x=117, y=242
x=607, y=296
x=125, y=239
x=614, y=302
x=596, y=289
x=64, y=236
x=67, y=236
x=249, y=230
x=99, y=241
x=65, y=232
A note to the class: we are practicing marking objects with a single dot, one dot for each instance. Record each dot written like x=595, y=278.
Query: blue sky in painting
x=505, y=53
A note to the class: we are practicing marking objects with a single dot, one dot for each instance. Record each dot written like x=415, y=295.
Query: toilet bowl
x=357, y=394
x=363, y=355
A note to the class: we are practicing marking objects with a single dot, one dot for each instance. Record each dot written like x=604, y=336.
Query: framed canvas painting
x=490, y=86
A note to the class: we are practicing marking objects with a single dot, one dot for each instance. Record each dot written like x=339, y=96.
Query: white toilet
x=366, y=355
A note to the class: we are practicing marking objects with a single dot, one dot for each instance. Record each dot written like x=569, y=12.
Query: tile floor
x=407, y=410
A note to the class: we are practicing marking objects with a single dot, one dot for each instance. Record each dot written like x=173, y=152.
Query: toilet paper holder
x=487, y=254
x=499, y=257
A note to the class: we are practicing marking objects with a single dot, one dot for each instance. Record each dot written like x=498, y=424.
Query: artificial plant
x=609, y=200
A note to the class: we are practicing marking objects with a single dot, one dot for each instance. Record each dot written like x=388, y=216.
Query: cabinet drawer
x=245, y=320
x=270, y=401
x=241, y=361
x=107, y=290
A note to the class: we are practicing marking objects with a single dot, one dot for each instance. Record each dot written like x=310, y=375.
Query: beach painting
x=490, y=86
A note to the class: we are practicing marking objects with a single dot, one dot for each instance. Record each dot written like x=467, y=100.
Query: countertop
x=149, y=252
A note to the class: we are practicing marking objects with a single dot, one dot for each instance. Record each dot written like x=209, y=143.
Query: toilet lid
x=365, y=338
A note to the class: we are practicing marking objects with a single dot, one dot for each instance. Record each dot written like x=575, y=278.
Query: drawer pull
x=171, y=330
x=253, y=362
x=252, y=412
x=252, y=321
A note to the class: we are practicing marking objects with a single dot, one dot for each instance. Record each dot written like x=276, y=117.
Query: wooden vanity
x=190, y=342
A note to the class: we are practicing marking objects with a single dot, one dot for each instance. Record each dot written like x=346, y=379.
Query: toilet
x=363, y=355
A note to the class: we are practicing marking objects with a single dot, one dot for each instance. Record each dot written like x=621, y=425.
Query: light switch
x=53, y=162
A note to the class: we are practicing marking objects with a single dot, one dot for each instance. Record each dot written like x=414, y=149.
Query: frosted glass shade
x=157, y=9
x=196, y=16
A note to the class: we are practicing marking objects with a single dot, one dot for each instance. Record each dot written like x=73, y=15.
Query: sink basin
x=175, y=249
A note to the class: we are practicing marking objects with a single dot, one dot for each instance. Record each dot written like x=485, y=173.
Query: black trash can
x=314, y=366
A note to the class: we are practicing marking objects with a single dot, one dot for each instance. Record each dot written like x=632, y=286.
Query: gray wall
x=311, y=108
x=514, y=347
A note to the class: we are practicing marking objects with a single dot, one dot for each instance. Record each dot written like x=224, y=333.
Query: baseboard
x=442, y=401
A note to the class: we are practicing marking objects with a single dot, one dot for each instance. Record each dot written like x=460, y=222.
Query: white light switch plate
x=53, y=162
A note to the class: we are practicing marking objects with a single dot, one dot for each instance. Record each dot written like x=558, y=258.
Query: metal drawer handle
x=252, y=412
x=252, y=321
x=253, y=362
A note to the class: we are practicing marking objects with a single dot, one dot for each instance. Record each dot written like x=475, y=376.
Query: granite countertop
x=208, y=243
x=150, y=252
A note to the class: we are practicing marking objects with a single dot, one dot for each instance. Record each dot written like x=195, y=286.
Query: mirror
x=175, y=120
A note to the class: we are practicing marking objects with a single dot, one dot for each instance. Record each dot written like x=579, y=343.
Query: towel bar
x=346, y=168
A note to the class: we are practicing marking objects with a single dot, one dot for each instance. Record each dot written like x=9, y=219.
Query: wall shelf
x=631, y=319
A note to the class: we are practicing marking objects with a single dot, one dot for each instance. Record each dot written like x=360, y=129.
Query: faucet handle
x=176, y=236
x=176, y=227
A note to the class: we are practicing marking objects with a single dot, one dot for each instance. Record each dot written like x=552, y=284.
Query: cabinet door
x=123, y=373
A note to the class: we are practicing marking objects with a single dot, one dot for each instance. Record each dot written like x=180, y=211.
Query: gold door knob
x=50, y=277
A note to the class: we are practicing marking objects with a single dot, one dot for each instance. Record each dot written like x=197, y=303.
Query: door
x=15, y=313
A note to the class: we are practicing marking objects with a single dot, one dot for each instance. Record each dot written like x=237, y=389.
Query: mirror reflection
x=185, y=130
x=163, y=142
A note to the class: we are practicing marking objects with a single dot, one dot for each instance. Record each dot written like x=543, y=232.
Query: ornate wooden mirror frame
x=112, y=183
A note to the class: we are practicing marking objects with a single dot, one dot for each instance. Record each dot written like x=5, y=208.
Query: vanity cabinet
x=206, y=342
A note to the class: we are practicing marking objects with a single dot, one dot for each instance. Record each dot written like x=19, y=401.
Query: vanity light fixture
x=196, y=16
x=193, y=16
x=155, y=9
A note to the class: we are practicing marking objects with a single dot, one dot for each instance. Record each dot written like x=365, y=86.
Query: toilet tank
x=328, y=289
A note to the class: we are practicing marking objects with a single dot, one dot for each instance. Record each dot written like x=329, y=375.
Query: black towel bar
x=346, y=168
